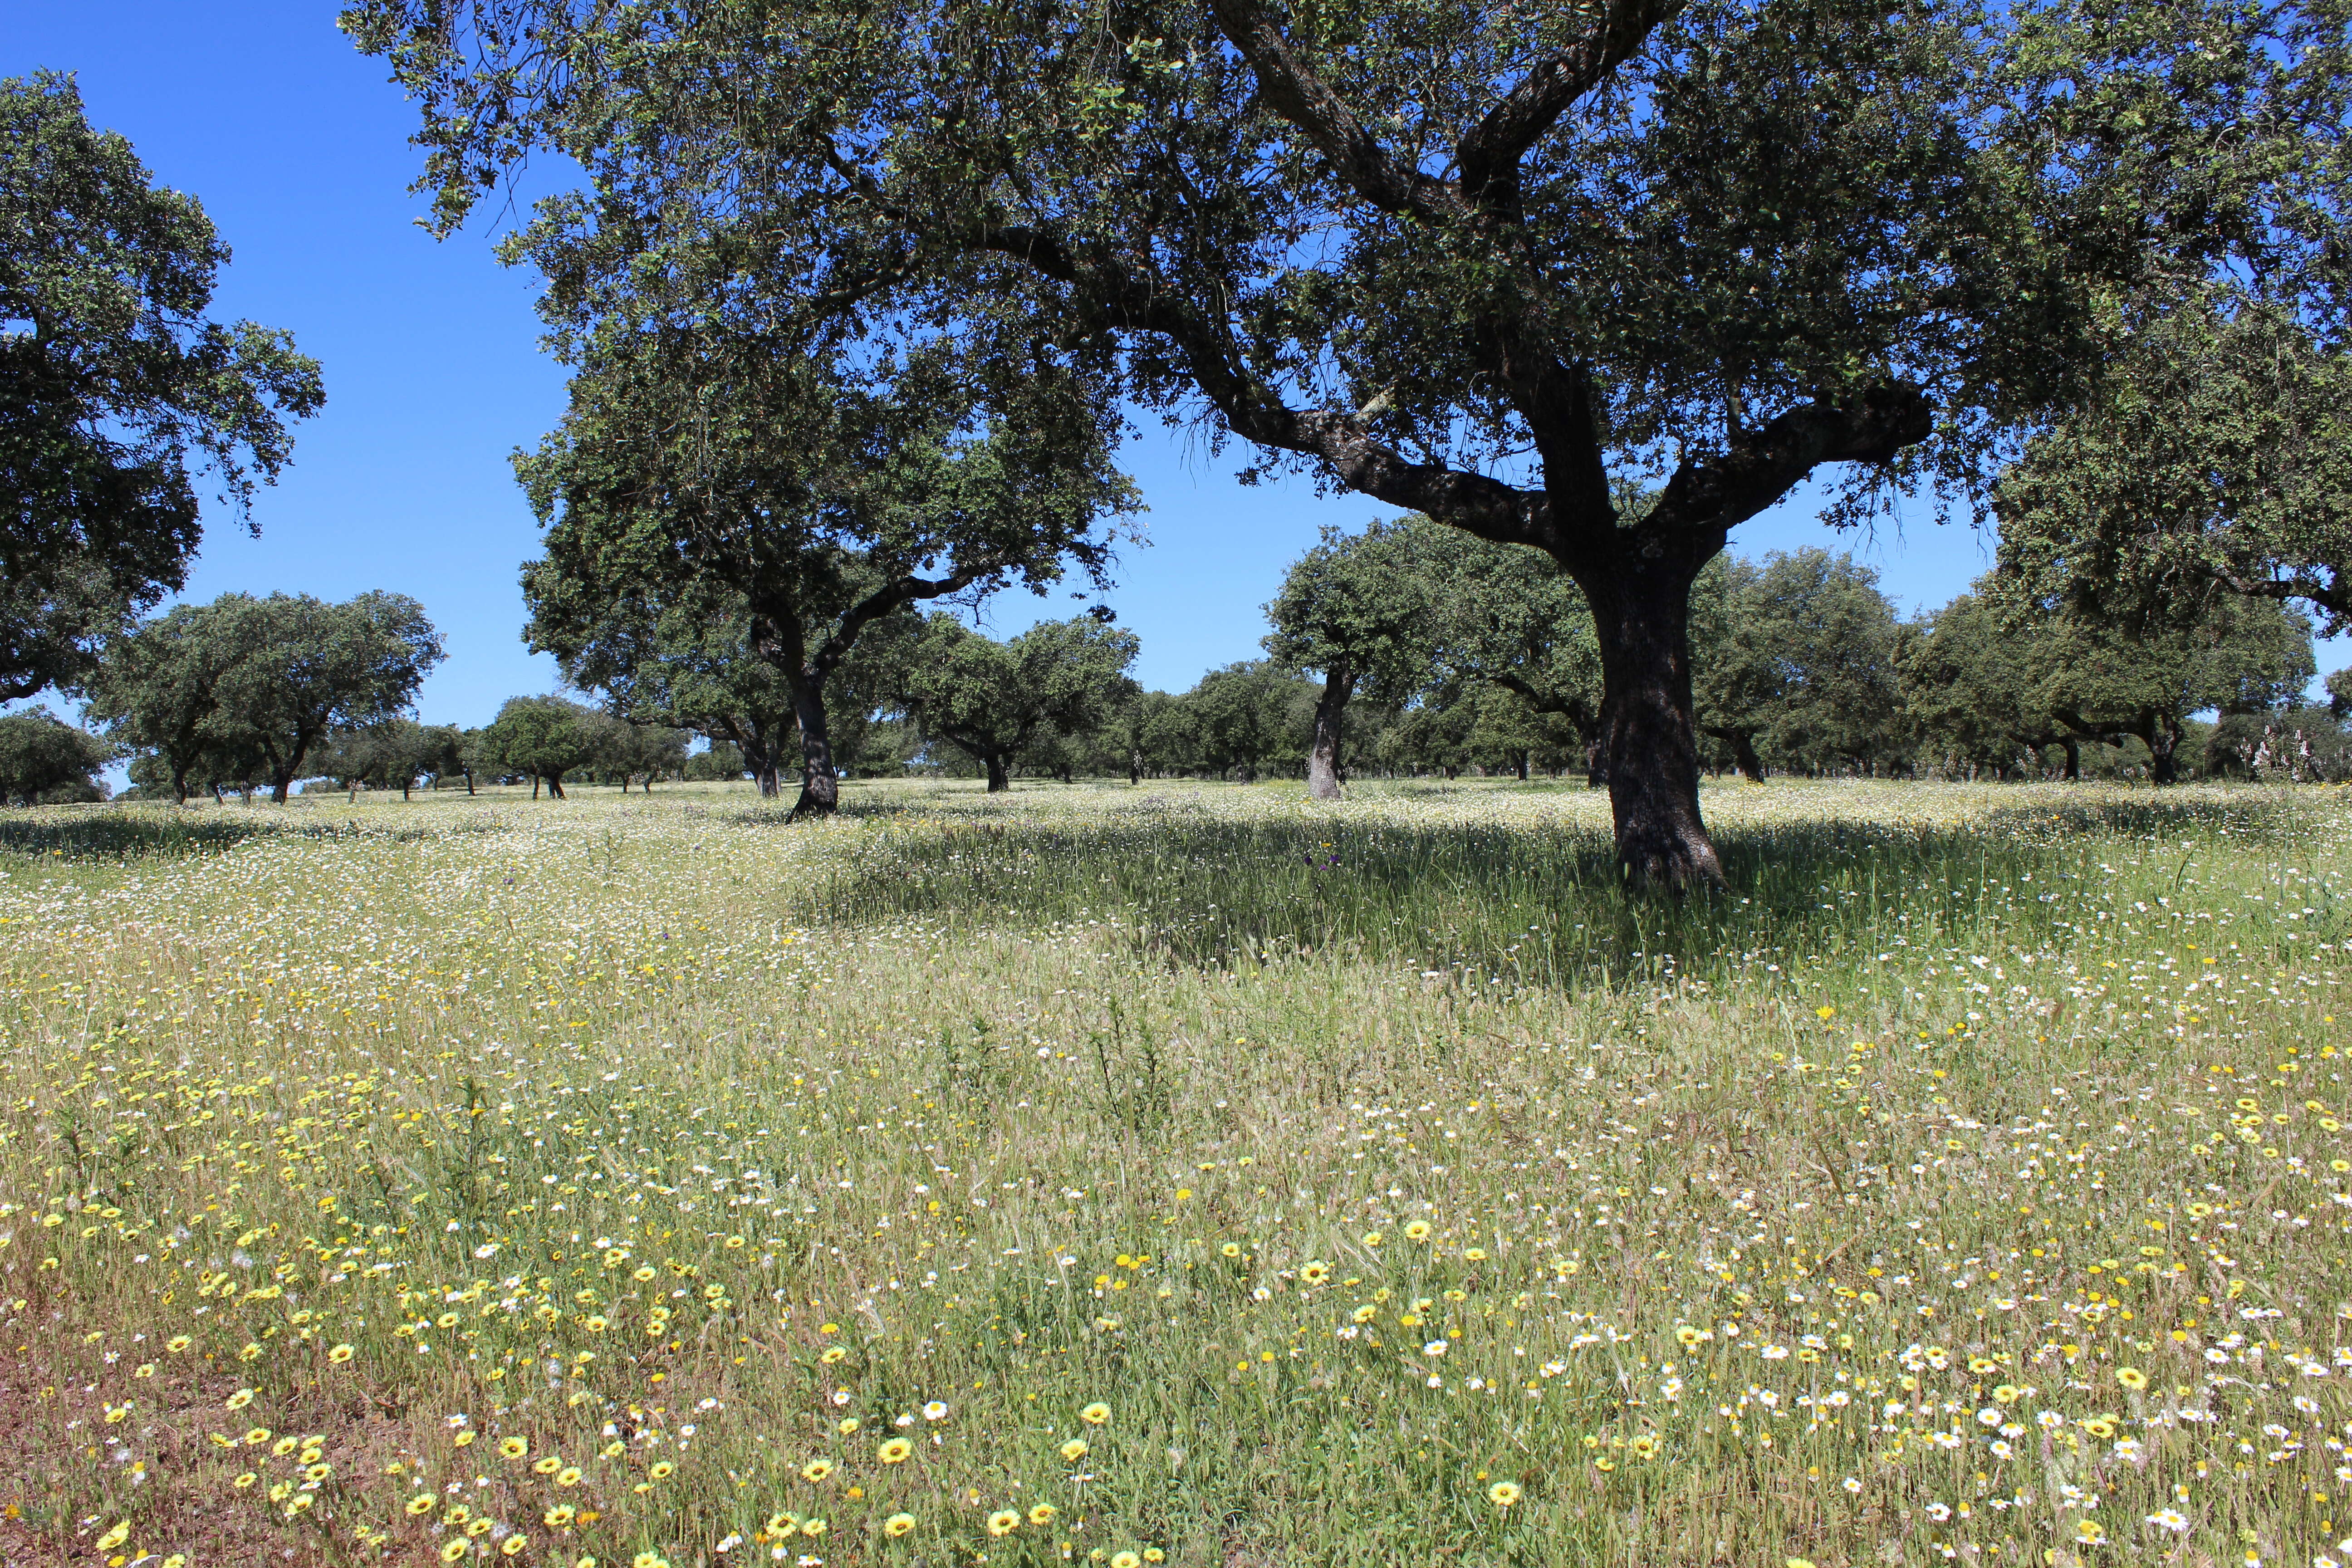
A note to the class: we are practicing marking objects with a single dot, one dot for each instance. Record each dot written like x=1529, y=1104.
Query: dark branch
x=1575, y=709
x=1720, y=492
x=1487, y=159
x=907, y=590
x=1473, y=503
x=1307, y=102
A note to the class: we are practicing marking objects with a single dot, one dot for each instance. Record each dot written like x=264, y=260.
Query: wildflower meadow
x=1179, y=1174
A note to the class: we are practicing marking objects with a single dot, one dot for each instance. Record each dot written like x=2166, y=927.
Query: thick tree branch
x=1473, y=503
x=1720, y=492
x=907, y=590
x=1487, y=159
x=1307, y=102
x=1575, y=709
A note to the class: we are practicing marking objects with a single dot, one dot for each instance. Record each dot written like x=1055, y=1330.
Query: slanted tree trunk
x=2163, y=738
x=1642, y=615
x=1743, y=751
x=820, y=781
x=1323, y=753
x=555, y=786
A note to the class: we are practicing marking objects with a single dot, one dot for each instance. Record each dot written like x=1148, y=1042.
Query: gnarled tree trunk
x=1323, y=753
x=1642, y=615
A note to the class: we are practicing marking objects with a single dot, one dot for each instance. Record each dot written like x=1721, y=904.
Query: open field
x=1179, y=1174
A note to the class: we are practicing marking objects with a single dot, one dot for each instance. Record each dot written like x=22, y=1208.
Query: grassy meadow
x=1185, y=1174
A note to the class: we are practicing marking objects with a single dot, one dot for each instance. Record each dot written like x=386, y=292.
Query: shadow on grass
x=1525, y=905
x=117, y=835
x=102, y=833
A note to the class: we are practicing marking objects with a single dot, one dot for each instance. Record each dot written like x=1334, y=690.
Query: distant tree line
x=1404, y=650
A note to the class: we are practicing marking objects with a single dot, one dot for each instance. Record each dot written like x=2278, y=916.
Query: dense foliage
x=242, y=689
x=116, y=391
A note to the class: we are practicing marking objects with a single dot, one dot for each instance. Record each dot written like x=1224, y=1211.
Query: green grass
x=596, y=1121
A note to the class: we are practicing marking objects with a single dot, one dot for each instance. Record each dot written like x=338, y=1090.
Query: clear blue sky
x=297, y=147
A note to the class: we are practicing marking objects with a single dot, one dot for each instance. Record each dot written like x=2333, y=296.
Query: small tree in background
x=1357, y=609
x=703, y=471
x=45, y=762
x=1980, y=690
x=300, y=667
x=1508, y=615
x=991, y=700
x=154, y=692
x=1796, y=653
x=541, y=738
x=627, y=750
x=1995, y=677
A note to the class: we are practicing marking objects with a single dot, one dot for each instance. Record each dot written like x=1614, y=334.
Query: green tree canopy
x=991, y=700
x=708, y=473
x=45, y=761
x=685, y=661
x=261, y=681
x=1471, y=260
x=116, y=392
x=1994, y=679
x=303, y=667
x=1508, y=616
x=1795, y=657
x=541, y=738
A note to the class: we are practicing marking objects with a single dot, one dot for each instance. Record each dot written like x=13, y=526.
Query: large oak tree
x=1481, y=262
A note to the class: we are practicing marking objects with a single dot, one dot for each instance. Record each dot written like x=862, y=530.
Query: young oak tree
x=541, y=738
x=1472, y=260
x=300, y=669
x=991, y=700
x=1355, y=608
x=257, y=683
x=706, y=471
x=2001, y=678
x=116, y=392
x=1978, y=687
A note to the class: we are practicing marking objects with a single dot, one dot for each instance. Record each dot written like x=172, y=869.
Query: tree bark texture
x=1649, y=744
x=1330, y=712
x=820, y=783
x=999, y=776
